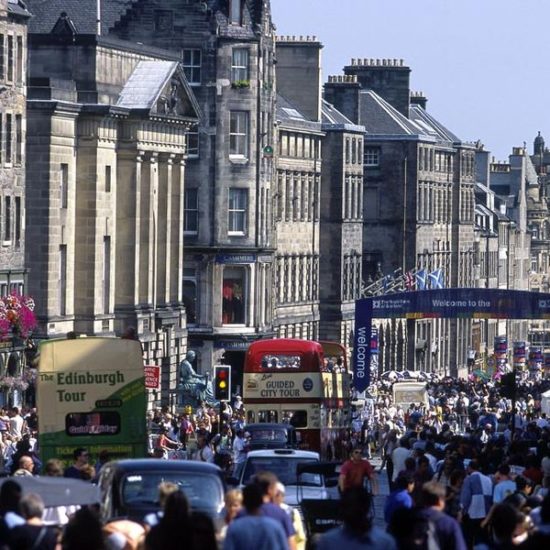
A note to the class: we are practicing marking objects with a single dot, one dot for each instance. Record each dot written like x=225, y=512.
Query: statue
x=194, y=388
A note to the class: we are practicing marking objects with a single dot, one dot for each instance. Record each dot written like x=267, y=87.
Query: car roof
x=283, y=453
x=161, y=465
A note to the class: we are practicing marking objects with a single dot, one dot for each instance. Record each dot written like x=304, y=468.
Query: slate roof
x=334, y=119
x=380, y=118
x=145, y=84
x=289, y=115
x=17, y=7
x=429, y=124
x=83, y=13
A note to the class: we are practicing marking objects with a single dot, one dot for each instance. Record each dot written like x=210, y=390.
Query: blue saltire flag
x=436, y=278
x=421, y=280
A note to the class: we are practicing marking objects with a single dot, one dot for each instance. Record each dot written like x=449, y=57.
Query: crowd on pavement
x=464, y=471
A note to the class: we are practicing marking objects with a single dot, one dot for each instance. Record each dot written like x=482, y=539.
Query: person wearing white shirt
x=399, y=455
x=16, y=423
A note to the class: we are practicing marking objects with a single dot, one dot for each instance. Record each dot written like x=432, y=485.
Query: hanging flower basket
x=13, y=383
x=16, y=315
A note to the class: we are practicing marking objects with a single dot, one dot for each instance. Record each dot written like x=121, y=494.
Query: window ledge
x=6, y=243
x=236, y=234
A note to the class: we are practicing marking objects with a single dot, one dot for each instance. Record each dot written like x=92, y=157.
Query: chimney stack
x=298, y=72
x=389, y=78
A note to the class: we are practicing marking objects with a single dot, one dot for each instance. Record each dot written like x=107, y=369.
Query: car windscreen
x=202, y=491
x=283, y=467
x=268, y=434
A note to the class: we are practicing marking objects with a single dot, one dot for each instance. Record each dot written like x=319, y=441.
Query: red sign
x=152, y=377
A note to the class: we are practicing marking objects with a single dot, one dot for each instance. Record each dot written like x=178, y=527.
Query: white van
x=405, y=393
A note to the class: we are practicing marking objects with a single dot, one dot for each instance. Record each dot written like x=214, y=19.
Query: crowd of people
x=464, y=470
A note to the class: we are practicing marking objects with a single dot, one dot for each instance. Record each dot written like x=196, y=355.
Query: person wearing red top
x=354, y=471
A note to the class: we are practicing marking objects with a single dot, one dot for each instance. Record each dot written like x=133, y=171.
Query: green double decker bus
x=91, y=394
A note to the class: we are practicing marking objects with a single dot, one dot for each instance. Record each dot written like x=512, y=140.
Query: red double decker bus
x=302, y=383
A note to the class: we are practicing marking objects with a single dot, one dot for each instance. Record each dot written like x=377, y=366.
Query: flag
x=421, y=280
x=388, y=279
x=409, y=280
x=436, y=278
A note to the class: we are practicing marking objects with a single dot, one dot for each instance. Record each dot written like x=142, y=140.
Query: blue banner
x=480, y=303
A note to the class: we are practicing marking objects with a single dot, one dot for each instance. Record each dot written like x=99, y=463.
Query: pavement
x=383, y=492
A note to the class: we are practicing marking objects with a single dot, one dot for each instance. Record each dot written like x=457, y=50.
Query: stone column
x=175, y=275
x=127, y=241
x=164, y=229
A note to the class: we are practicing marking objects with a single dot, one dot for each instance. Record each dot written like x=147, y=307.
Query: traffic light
x=222, y=382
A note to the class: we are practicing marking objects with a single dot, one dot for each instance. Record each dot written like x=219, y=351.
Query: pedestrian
x=447, y=529
x=254, y=529
x=400, y=497
x=294, y=515
x=476, y=498
x=80, y=459
x=357, y=531
x=33, y=535
x=83, y=531
x=26, y=467
x=174, y=527
x=355, y=471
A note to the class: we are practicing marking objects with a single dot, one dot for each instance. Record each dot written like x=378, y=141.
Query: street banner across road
x=473, y=303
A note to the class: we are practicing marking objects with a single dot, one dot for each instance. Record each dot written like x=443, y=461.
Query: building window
x=18, y=221
x=18, y=139
x=64, y=185
x=233, y=303
x=1, y=137
x=7, y=219
x=192, y=139
x=19, y=66
x=164, y=20
x=2, y=68
x=190, y=299
x=10, y=58
x=9, y=138
x=62, y=286
x=235, y=12
x=192, y=66
x=106, y=273
x=372, y=156
x=238, y=134
x=108, y=175
x=239, y=67
x=191, y=211
x=238, y=199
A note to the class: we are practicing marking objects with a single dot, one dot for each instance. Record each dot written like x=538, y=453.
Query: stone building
x=13, y=75
x=418, y=204
x=107, y=124
x=227, y=51
x=317, y=208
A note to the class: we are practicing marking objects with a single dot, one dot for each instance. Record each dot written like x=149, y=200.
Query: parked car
x=271, y=436
x=284, y=464
x=129, y=488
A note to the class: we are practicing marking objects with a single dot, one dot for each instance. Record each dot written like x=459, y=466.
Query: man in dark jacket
x=447, y=530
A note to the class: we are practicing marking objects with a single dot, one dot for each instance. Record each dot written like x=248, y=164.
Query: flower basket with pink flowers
x=16, y=315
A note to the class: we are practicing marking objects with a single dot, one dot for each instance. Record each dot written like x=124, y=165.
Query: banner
x=152, y=377
x=501, y=349
x=472, y=303
x=535, y=358
x=520, y=355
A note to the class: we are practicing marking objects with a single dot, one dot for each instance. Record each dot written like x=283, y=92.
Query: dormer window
x=235, y=12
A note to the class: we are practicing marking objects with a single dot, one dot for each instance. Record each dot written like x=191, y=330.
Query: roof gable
x=160, y=88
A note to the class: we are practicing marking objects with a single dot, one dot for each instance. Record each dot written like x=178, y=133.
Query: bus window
x=250, y=417
x=92, y=423
x=268, y=416
x=298, y=419
x=272, y=361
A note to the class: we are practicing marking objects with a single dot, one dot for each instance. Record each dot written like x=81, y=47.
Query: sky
x=484, y=65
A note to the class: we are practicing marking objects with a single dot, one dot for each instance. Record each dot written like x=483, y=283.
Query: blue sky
x=483, y=64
